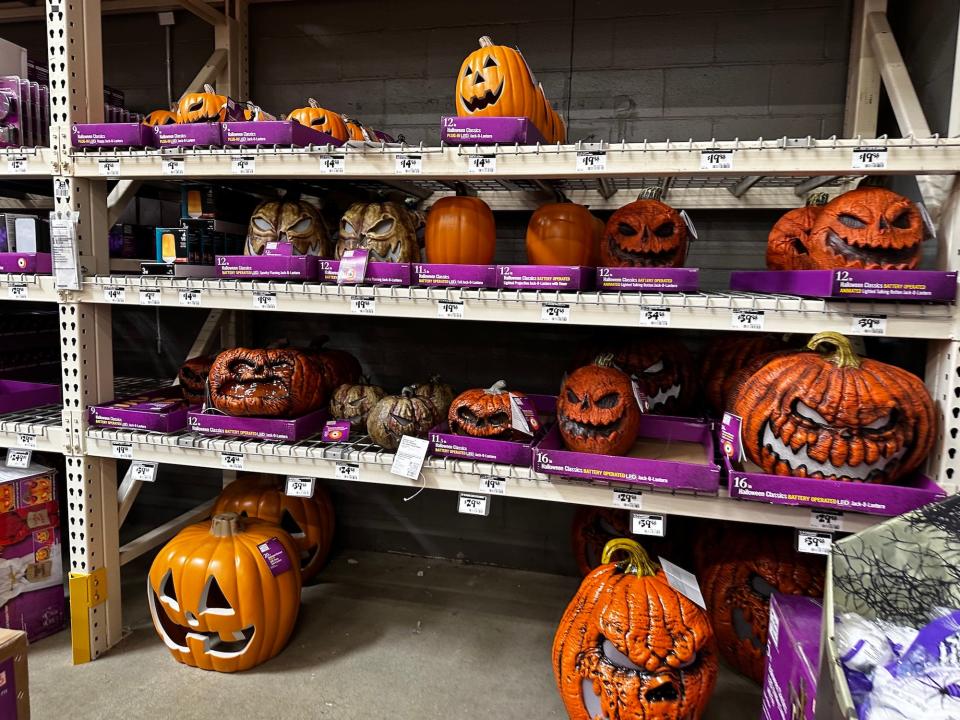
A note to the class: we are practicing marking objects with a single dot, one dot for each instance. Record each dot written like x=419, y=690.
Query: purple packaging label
x=507, y=452
x=937, y=643
x=638, y=279
x=277, y=267
x=16, y=395
x=378, y=273
x=730, y=437
x=489, y=131
x=279, y=249
x=448, y=275
x=282, y=429
x=112, y=135
x=30, y=263
x=38, y=613
x=353, y=267
x=161, y=411
x=852, y=284
x=274, y=132
x=336, y=431
x=8, y=689
x=545, y=277
x=275, y=556
x=793, y=655
x=188, y=134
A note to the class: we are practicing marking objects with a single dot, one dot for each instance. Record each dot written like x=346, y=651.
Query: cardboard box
x=283, y=429
x=447, y=275
x=274, y=132
x=14, y=689
x=16, y=395
x=545, y=277
x=172, y=245
x=489, y=131
x=159, y=411
x=27, y=263
x=892, y=285
x=639, y=279
x=378, y=273
x=94, y=135
x=793, y=658
x=188, y=135
x=276, y=267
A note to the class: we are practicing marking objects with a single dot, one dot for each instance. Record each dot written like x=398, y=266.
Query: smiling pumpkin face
x=494, y=82
x=297, y=223
x=596, y=410
x=280, y=382
x=386, y=230
x=645, y=233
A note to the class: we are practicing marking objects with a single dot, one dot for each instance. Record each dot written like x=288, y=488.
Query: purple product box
x=161, y=411
x=489, y=131
x=275, y=555
x=793, y=658
x=924, y=285
x=188, y=135
x=446, y=275
x=290, y=430
x=638, y=279
x=29, y=263
x=685, y=462
x=11, y=126
x=16, y=395
x=277, y=267
x=84, y=135
x=251, y=133
x=40, y=612
x=545, y=277
x=378, y=273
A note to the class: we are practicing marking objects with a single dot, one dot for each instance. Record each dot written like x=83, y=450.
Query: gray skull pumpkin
x=297, y=223
x=397, y=415
x=386, y=230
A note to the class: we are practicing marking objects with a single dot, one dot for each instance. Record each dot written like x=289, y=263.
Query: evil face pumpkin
x=483, y=413
x=193, y=379
x=386, y=230
x=871, y=228
x=214, y=600
x=160, y=117
x=281, y=382
x=399, y=415
x=202, y=107
x=297, y=223
x=833, y=415
x=596, y=410
x=630, y=646
x=354, y=402
x=662, y=367
x=645, y=233
x=789, y=240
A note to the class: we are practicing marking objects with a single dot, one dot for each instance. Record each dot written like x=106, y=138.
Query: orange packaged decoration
x=202, y=107
x=160, y=117
x=483, y=413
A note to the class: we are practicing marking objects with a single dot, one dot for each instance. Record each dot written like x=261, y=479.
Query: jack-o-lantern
x=831, y=414
x=562, y=234
x=871, y=228
x=193, y=379
x=460, y=230
x=285, y=221
x=645, y=233
x=321, y=119
x=483, y=413
x=597, y=411
x=399, y=415
x=438, y=393
x=725, y=356
x=160, y=117
x=494, y=81
x=202, y=107
x=739, y=567
x=630, y=646
x=663, y=369
x=220, y=596
x=386, y=230
x=789, y=239
x=353, y=402
x=281, y=382
x=308, y=521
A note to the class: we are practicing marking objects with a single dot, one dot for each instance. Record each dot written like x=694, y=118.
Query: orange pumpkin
x=202, y=107
x=460, y=230
x=483, y=413
x=597, y=411
x=160, y=117
x=321, y=119
x=725, y=356
x=789, y=239
x=645, y=233
x=562, y=233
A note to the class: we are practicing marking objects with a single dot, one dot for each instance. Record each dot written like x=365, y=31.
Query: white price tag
x=246, y=165
x=828, y=520
x=747, y=319
x=61, y=188
x=493, y=485
x=149, y=297
x=555, y=312
x=869, y=325
x=264, y=300
x=122, y=450
x=627, y=500
x=143, y=471
x=868, y=158
x=450, y=309
x=346, y=471
x=300, y=486
x=231, y=461
x=653, y=524
x=716, y=159
x=363, y=306
x=482, y=164
x=409, y=165
x=17, y=292
x=333, y=164
x=471, y=504
x=25, y=440
x=109, y=168
x=409, y=457
x=814, y=543
x=655, y=317
x=683, y=581
x=190, y=298
x=115, y=295
x=591, y=161
x=19, y=458
x=17, y=166
x=172, y=166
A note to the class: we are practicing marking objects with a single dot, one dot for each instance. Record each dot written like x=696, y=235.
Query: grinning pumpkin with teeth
x=644, y=233
x=483, y=413
x=386, y=230
x=596, y=409
x=662, y=368
x=833, y=415
x=284, y=221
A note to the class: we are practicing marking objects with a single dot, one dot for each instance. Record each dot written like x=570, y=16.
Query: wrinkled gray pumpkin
x=439, y=394
x=397, y=415
x=353, y=402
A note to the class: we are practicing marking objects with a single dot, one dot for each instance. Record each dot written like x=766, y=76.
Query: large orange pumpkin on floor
x=321, y=119
x=645, y=233
x=562, y=234
x=788, y=244
x=224, y=594
x=281, y=382
x=494, y=81
x=460, y=230
x=831, y=414
x=724, y=356
x=597, y=411
x=630, y=646
x=308, y=521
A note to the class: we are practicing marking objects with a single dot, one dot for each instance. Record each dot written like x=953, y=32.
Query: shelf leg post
x=863, y=74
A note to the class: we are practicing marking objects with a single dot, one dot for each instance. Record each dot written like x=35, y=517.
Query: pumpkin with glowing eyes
x=494, y=82
x=663, y=369
x=596, y=409
x=831, y=414
x=789, y=240
x=283, y=221
x=279, y=382
x=483, y=413
x=215, y=599
x=630, y=646
x=645, y=233
x=386, y=230
x=399, y=415
x=193, y=379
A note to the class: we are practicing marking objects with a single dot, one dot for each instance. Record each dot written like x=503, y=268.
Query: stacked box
x=793, y=658
x=14, y=686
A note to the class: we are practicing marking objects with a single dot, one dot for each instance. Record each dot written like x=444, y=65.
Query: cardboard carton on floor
x=14, y=693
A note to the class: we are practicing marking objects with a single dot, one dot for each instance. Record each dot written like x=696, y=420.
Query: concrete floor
x=383, y=636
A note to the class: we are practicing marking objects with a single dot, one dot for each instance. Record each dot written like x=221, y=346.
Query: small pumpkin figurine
x=725, y=356
x=438, y=393
x=460, y=230
x=202, y=107
x=160, y=117
x=562, y=233
x=353, y=402
x=309, y=521
x=789, y=239
x=630, y=646
x=280, y=382
x=193, y=379
x=831, y=414
x=224, y=594
x=397, y=415
x=645, y=233
x=663, y=369
x=291, y=221
x=597, y=411
x=495, y=81
x=321, y=119
x=483, y=413
x=386, y=230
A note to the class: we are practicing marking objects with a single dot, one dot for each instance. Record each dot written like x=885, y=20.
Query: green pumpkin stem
x=638, y=562
x=842, y=356
x=497, y=388
x=225, y=524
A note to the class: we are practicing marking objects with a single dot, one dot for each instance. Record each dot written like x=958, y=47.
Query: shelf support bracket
x=209, y=72
x=863, y=75
x=87, y=591
x=118, y=199
x=203, y=11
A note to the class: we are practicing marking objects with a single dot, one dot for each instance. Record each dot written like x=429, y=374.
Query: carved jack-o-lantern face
x=318, y=118
x=297, y=223
x=193, y=379
x=871, y=228
x=662, y=367
x=160, y=117
x=645, y=233
x=266, y=383
x=789, y=239
x=596, y=410
x=202, y=107
x=399, y=415
x=483, y=413
x=494, y=82
x=385, y=230
x=354, y=402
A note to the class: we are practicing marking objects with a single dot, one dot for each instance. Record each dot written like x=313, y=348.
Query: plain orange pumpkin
x=562, y=234
x=460, y=230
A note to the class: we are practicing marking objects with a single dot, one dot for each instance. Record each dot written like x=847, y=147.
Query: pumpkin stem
x=313, y=103
x=408, y=391
x=842, y=356
x=605, y=360
x=638, y=562
x=485, y=41
x=225, y=524
x=817, y=199
x=497, y=388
